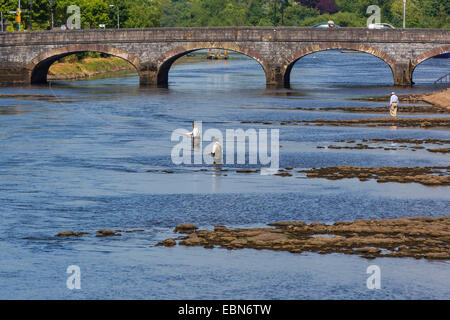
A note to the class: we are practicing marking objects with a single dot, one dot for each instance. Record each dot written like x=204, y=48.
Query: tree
x=232, y=16
x=198, y=13
x=258, y=13
x=121, y=6
x=343, y=19
x=435, y=13
x=308, y=3
x=143, y=14
x=41, y=14
x=327, y=6
x=295, y=14
x=5, y=6
x=413, y=14
x=276, y=11
x=324, y=6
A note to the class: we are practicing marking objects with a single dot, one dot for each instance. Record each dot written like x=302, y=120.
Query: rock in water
x=70, y=234
x=107, y=233
x=185, y=228
x=167, y=243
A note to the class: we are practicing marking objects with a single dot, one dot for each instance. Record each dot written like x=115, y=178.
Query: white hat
x=392, y=93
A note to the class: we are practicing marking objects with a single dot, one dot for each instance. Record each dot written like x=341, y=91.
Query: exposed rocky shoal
x=370, y=122
x=403, y=237
x=429, y=176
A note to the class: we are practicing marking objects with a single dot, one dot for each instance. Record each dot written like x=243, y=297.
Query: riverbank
x=439, y=99
x=87, y=68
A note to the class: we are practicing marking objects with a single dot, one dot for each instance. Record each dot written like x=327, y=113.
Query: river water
x=77, y=159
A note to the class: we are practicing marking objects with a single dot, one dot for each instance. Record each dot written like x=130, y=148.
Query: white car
x=380, y=26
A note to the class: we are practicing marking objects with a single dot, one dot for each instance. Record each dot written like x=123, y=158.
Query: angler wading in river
x=393, y=105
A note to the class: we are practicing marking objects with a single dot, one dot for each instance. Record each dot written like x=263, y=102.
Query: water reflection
x=9, y=110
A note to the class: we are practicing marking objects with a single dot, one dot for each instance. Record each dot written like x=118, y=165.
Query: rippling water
x=78, y=160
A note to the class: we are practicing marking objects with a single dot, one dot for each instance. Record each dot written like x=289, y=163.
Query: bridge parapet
x=273, y=34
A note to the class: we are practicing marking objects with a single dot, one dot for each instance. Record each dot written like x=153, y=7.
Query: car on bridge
x=326, y=25
x=380, y=26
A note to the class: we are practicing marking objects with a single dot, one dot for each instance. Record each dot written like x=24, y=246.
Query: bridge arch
x=428, y=55
x=39, y=66
x=290, y=62
x=160, y=73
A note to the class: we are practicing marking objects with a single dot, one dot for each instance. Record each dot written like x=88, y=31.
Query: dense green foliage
x=170, y=13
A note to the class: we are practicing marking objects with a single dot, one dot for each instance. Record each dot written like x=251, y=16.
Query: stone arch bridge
x=25, y=57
